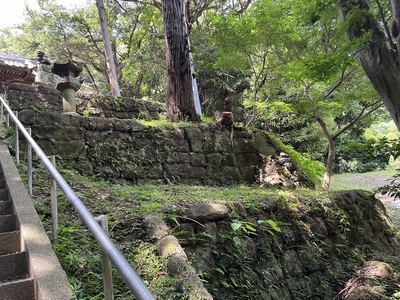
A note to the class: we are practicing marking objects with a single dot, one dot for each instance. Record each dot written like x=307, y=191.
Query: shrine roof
x=18, y=61
x=16, y=69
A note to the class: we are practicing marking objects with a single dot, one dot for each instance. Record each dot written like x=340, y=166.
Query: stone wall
x=123, y=148
x=120, y=108
x=201, y=154
x=42, y=98
x=34, y=97
x=341, y=247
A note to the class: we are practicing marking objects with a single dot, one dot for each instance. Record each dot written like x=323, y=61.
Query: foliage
x=393, y=188
x=384, y=128
x=75, y=34
x=363, y=156
x=249, y=229
x=301, y=71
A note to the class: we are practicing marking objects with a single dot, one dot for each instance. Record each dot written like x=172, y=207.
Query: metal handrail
x=135, y=283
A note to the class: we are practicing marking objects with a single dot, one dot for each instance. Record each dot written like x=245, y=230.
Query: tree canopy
x=284, y=66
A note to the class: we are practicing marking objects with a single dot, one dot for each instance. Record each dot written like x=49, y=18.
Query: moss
x=313, y=169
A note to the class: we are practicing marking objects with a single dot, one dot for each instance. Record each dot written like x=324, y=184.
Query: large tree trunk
x=180, y=105
x=111, y=69
x=378, y=59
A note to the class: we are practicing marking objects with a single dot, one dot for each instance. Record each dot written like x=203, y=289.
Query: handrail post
x=7, y=120
x=1, y=111
x=16, y=140
x=54, y=204
x=106, y=263
x=30, y=171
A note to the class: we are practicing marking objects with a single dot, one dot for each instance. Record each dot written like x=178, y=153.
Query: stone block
x=241, y=145
x=14, y=266
x=214, y=159
x=223, y=143
x=195, y=146
x=19, y=289
x=193, y=133
x=207, y=211
x=10, y=242
x=264, y=145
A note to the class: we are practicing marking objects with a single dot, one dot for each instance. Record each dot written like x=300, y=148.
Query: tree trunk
x=331, y=152
x=378, y=59
x=329, y=163
x=180, y=104
x=111, y=70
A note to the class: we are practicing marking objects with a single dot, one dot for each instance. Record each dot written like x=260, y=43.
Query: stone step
x=4, y=195
x=10, y=242
x=23, y=289
x=14, y=266
x=3, y=183
x=8, y=223
x=6, y=208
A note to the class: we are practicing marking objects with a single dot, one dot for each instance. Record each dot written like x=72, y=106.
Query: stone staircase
x=29, y=268
x=16, y=283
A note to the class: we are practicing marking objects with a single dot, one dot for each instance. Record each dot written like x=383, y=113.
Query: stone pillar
x=68, y=90
x=69, y=101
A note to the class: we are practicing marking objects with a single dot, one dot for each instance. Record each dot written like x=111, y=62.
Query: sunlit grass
x=163, y=122
x=366, y=181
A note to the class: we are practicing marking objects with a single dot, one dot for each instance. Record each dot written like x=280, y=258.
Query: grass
x=366, y=181
x=163, y=122
x=78, y=252
x=125, y=204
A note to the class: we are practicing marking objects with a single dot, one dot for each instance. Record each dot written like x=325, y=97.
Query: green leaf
x=251, y=228
x=274, y=225
x=220, y=271
x=237, y=240
x=236, y=225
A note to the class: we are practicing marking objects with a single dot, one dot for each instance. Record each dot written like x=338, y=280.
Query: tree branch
x=341, y=80
x=374, y=106
x=155, y=3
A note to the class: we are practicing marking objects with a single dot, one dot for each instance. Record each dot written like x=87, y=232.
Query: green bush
x=363, y=156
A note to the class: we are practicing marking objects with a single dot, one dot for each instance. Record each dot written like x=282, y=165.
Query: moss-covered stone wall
x=290, y=246
x=118, y=146
x=121, y=148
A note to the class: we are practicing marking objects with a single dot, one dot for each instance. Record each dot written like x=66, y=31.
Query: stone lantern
x=62, y=75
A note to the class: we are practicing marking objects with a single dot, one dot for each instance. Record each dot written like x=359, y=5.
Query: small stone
x=375, y=269
x=156, y=227
x=207, y=211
